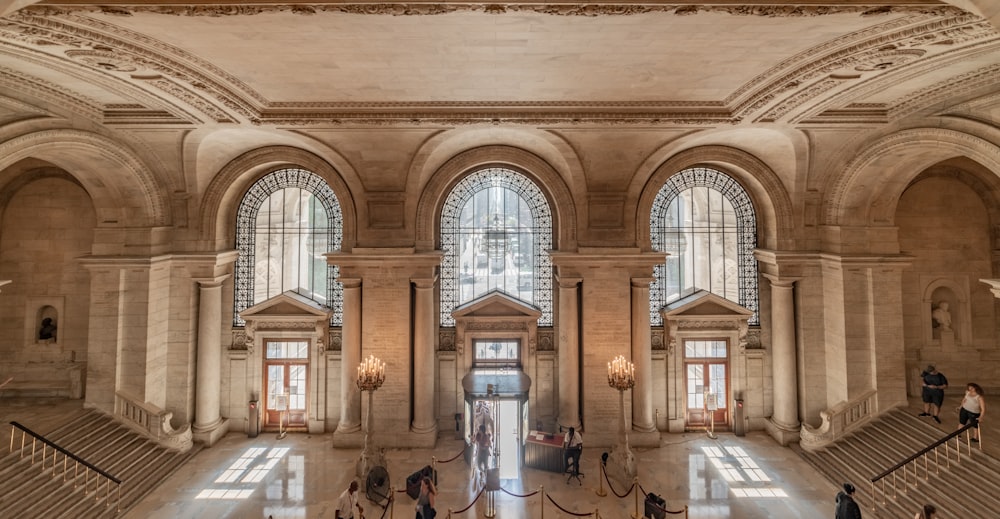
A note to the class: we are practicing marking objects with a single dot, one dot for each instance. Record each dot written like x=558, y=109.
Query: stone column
x=784, y=424
x=569, y=353
x=423, y=358
x=209, y=425
x=642, y=393
x=350, y=357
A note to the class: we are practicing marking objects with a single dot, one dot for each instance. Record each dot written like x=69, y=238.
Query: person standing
x=425, y=501
x=927, y=512
x=972, y=409
x=934, y=383
x=847, y=508
x=573, y=442
x=484, y=442
x=348, y=502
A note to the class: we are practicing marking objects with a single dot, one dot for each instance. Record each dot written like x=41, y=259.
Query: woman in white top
x=973, y=408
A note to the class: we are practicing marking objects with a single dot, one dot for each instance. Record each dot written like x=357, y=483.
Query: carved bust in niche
x=47, y=331
x=942, y=316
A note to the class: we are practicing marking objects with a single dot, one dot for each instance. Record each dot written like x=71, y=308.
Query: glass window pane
x=287, y=220
x=287, y=350
x=495, y=232
x=705, y=221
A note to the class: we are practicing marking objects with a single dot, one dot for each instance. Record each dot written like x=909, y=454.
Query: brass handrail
x=67, y=455
x=922, y=453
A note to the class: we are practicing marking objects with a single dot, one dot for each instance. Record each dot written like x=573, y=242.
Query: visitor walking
x=425, y=501
x=847, y=508
x=934, y=383
x=972, y=409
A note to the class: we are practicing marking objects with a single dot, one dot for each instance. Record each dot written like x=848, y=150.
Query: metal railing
x=924, y=454
x=46, y=444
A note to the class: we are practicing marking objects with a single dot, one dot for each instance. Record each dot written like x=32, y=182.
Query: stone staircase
x=45, y=489
x=966, y=487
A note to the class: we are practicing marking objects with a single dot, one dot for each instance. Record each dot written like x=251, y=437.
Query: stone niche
x=944, y=316
x=43, y=367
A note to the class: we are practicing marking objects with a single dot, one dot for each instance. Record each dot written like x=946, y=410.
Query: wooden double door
x=286, y=384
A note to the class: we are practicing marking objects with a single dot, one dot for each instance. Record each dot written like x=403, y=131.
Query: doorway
x=286, y=365
x=706, y=372
x=504, y=420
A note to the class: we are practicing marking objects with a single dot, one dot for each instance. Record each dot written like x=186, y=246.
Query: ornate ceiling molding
x=221, y=97
x=14, y=80
x=877, y=51
x=920, y=99
x=110, y=48
x=430, y=9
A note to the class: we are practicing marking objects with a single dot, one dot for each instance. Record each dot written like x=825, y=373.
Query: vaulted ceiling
x=122, y=65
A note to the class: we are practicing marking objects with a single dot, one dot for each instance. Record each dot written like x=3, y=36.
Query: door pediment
x=703, y=304
x=497, y=304
x=287, y=311
x=705, y=314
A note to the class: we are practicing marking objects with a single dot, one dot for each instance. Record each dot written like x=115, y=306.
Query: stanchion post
x=685, y=511
x=541, y=501
x=635, y=487
x=600, y=480
x=392, y=501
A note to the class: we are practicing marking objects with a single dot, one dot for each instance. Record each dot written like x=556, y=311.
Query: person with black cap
x=847, y=508
x=934, y=383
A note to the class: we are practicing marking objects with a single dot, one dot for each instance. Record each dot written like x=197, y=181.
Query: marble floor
x=301, y=476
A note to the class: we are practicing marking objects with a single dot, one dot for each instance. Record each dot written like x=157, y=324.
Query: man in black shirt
x=934, y=384
x=847, y=508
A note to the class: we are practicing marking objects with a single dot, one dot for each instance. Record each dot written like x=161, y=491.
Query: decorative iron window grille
x=286, y=222
x=496, y=231
x=706, y=222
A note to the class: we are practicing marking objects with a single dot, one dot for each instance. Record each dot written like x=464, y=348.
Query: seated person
x=573, y=443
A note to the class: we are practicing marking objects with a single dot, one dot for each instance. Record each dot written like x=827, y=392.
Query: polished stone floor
x=301, y=476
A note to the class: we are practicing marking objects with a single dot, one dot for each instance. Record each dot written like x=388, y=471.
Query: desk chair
x=573, y=465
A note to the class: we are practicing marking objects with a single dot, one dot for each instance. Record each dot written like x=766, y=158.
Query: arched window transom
x=705, y=220
x=286, y=221
x=496, y=231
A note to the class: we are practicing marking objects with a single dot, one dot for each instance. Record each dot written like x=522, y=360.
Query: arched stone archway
x=125, y=192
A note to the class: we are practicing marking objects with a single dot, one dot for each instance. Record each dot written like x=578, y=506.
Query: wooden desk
x=545, y=451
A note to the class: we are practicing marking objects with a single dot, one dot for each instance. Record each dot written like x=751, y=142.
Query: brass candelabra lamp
x=371, y=376
x=621, y=376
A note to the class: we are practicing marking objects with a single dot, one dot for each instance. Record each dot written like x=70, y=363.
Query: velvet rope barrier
x=575, y=514
x=449, y=460
x=509, y=493
x=613, y=491
x=480, y=494
x=658, y=507
x=392, y=498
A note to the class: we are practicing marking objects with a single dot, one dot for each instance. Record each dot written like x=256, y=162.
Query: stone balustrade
x=839, y=420
x=152, y=421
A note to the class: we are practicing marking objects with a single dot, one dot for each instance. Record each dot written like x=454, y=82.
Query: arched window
x=286, y=222
x=496, y=230
x=705, y=220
